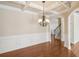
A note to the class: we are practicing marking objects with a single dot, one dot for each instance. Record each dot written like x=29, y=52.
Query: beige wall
x=75, y=5
x=15, y=22
x=65, y=15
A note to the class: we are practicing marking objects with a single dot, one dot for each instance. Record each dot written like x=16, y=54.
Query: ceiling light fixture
x=43, y=21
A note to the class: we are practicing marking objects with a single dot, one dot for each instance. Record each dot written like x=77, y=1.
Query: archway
x=73, y=31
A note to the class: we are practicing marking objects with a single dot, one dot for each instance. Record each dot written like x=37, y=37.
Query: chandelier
x=43, y=21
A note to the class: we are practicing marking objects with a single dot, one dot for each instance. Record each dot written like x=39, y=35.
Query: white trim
x=69, y=29
x=16, y=9
x=35, y=6
x=69, y=42
x=10, y=43
x=62, y=29
x=64, y=5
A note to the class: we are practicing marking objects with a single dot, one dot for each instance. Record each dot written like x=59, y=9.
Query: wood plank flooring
x=46, y=49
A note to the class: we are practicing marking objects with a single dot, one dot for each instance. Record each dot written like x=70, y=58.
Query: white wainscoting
x=9, y=43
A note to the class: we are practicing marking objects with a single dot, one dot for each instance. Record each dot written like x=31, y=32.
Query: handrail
x=57, y=31
x=57, y=27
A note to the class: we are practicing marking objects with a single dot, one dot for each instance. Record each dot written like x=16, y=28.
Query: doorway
x=73, y=32
x=56, y=32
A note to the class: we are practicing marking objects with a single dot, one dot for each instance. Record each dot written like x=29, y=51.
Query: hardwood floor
x=46, y=49
x=75, y=49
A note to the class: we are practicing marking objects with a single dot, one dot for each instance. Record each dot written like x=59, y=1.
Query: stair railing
x=57, y=31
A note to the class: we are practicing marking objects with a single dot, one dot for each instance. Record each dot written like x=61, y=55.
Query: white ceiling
x=37, y=6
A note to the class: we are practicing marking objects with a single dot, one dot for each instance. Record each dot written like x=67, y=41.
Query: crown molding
x=6, y=7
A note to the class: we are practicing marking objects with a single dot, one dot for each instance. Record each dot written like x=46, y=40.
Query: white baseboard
x=9, y=43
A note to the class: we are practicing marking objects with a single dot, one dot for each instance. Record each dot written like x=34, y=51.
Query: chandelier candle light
x=43, y=21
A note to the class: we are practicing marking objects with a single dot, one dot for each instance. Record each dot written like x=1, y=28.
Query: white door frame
x=69, y=27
